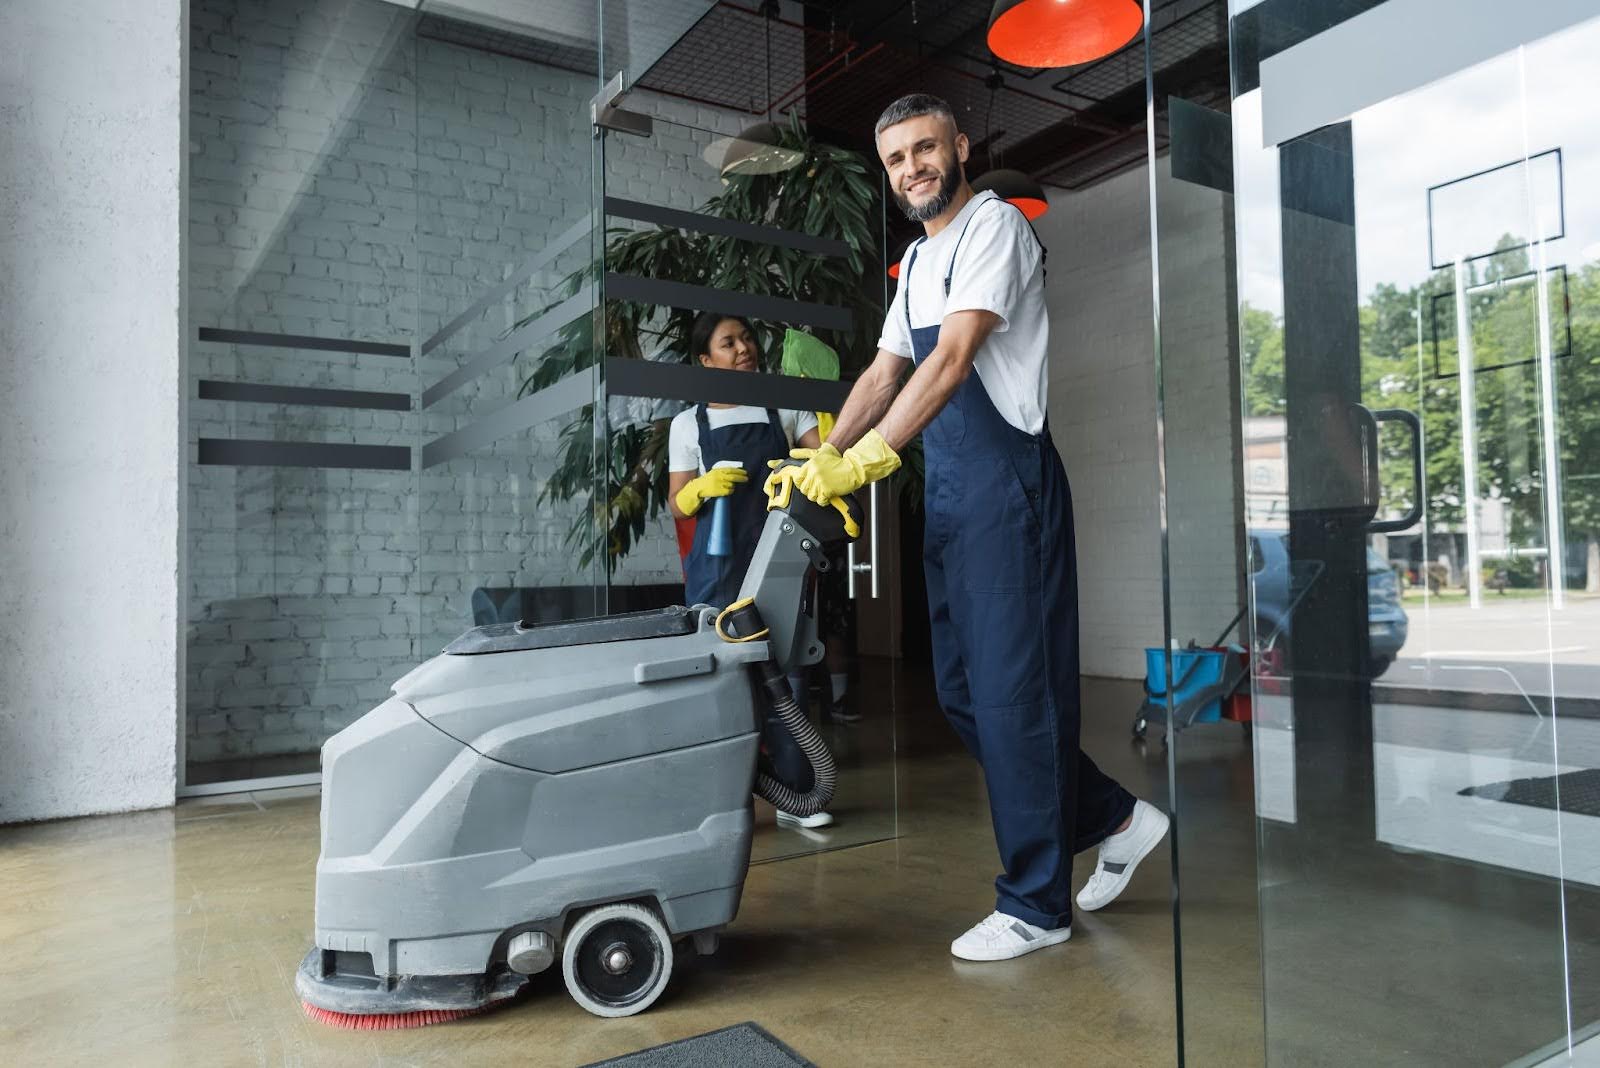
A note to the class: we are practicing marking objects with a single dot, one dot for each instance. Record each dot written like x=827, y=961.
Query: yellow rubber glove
x=852, y=529
x=794, y=454
x=830, y=473
x=780, y=484
x=717, y=482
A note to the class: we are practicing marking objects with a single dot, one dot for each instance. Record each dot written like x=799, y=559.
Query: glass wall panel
x=506, y=295
x=400, y=422
x=697, y=223
x=1207, y=746
x=506, y=476
x=391, y=234
x=1555, y=425
x=1413, y=370
x=301, y=522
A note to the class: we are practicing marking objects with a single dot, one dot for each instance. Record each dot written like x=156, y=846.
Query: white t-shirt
x=999, y=268
x=683, y=439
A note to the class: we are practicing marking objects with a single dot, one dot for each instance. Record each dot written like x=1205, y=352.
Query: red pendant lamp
x=1017, y=188
x=1061, y=33
x=899, y=254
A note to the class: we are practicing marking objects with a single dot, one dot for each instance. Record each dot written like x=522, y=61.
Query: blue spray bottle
x=721, y=541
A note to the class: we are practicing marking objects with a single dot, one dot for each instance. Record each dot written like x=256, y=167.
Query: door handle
x=1369, y=421
x=852, y=568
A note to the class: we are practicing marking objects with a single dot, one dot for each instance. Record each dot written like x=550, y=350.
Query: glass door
x=1417, y=245
x=726, y=222
x=390, y=247
x=301, y=518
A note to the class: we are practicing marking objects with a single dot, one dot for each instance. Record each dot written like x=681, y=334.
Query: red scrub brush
x=385, y=1021
x=437, y=998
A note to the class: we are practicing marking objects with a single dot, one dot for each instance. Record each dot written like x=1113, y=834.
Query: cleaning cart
x=1210, y=683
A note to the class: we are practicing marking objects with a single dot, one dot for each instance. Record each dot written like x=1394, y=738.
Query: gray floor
x=1379, y=947
x=172, y=937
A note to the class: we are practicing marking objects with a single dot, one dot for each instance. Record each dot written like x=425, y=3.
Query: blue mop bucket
x=1195, y=668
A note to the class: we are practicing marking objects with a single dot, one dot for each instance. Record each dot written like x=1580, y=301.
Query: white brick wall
x=1103, y=411
x=352, y=181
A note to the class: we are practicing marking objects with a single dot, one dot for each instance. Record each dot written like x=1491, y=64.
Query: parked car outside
x=1387, y=624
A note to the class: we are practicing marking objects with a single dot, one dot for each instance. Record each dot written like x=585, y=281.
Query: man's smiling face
x=923, y=157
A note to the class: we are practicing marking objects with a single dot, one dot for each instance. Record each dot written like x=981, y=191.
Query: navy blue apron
x=715, y=580
x=1002, y=601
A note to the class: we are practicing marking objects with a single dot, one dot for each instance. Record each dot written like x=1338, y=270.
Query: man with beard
x=999, y=555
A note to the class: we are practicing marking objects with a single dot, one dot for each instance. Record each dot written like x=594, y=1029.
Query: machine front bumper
x=340, y=982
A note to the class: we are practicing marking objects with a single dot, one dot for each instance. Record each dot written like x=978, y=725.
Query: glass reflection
x=1474, y=281
x=708, y=242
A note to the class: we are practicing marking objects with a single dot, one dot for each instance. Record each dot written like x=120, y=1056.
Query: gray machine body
x=527, y=772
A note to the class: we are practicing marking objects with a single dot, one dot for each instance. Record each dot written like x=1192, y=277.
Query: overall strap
x=905, y=283
x=777, y=424
x=950, y=269
x=701, y=417
x=1044, y=253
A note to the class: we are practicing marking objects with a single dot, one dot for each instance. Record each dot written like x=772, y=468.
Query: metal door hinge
x=605, y=112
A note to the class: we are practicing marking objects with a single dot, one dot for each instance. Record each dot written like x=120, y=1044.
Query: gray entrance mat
x=743, y=1045
x=1579, y=790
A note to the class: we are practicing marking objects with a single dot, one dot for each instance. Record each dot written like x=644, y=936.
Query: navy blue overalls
x=715, y=580
x=1003, y=603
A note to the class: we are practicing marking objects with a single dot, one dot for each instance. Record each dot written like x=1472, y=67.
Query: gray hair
x=911, y=106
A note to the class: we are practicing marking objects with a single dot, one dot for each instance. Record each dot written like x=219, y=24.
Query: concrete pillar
x=91, y=181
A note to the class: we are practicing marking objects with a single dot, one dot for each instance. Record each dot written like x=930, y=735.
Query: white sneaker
x=1120, y=854
x=1001, y=937
x=810, y=823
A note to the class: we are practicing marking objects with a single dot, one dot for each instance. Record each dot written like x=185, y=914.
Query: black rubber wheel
x=1140, y=726
x=617, y=959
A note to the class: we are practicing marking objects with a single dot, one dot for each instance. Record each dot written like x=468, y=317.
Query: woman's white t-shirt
x=683, y=439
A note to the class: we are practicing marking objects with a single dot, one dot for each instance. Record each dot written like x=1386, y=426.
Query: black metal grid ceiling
x=722, y=60
x=839, y=62
x=849, y=58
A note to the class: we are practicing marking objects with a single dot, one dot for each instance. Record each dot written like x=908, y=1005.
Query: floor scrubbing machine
x=577, y=791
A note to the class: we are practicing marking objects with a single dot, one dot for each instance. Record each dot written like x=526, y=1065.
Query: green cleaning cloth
x=807, y=357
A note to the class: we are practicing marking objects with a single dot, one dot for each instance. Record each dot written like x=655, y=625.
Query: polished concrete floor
x=171, y=937
x=1433, y=935
x=1423, y=928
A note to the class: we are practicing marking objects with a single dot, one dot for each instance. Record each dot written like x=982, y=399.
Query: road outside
x=1505, y=628
x=1509, y=643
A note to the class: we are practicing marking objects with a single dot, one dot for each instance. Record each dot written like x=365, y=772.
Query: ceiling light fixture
x=1061, y=33
x=1017, y=188
x=758, y=149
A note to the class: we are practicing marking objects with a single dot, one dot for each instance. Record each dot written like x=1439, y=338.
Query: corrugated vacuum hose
x=792, y=718
x=741, y=622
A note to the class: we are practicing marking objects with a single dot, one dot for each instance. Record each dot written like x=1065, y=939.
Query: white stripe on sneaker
x=1001, y=937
